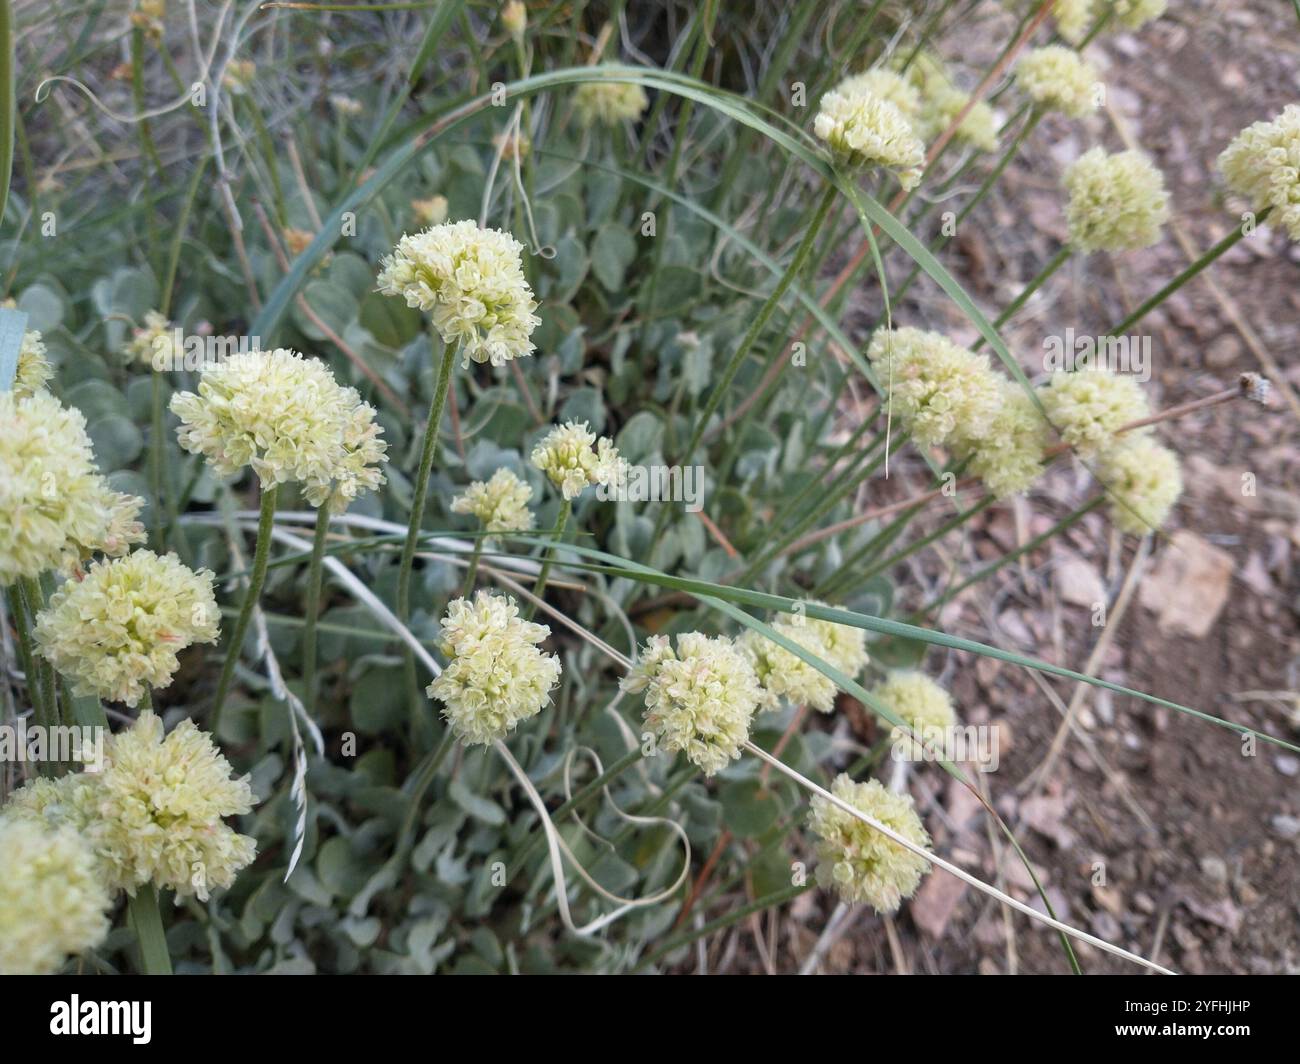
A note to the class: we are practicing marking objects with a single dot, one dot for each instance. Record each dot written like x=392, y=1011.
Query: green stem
x=539, y=588
x=256, y=578
x=147, y=922
x=27, y=652
x=42, y=675
x=1196, y=267
x=472, y=573
x=312, y=609
x=723, y=922
x=421, y=488
x=155, y=460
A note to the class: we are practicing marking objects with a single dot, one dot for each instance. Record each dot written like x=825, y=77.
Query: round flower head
x=501, y=503
x=699, y=698
x=858, y=861
x=1009, y=458
x=1263, y=164
x=431, y=211
x=56, y=508
x=939, y=391
x=845, y=646
x=1117, y=202
x=360, y=467
x=1144, y=480
x=887, y=85
x=942, y=104
x=117, y=631
x=567, y=457
x=496, y=675
x=1073, y=18
x=52, y=902
x=1058, y=79
x=922, y=704
x=609, y=102
x=1088, y=407
x=785, y=675
x=471, y=282
x=34, y=370
x=865, y=129
x=287, y=417
x=154, y=814
x=514, y=17
x=153, y=343
x=1134, y=14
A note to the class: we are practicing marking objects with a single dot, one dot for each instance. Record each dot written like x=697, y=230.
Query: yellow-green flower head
x=501, y=503
x=567, y=457
x=864, y=129
x=1145, y=481
x=514, y=17
x=785, y=675
x=887, y=85
x=117, y=631
x=1089, y=406
x=361, y=467
x=52, y=902
x=431, y=211
x=1134, y=14
x=856, y=859
x=1073, y=18
x=496, y=675
x=471, y=283
x=1117, y=202
x=943, y=102
x=152, y=343
x=609, y=102
x=1263, y=164
x=845, y=645
x=34, y=370
x=940, y=392
x=56, y=508
x=918, y=700
x=287, y=417
x=699, y=698
x=1058, y=79
x=1009, y=458
x=155, y=813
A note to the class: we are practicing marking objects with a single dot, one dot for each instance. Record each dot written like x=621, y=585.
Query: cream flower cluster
x=699, y=698
x=1058, y=79
x=785, y=675
x=942, y=101
x=865, y=129
x=52, y=902
x=431, y=211
x=1144, y=479
x=1009, y=457
x=496, y=675
x=155, y=814
x=858, y=861
x=609, y=102
x=116, y=632
x=471, y=282
x=1116, y=202
x=1134, y=14
x=845, y=646
x=887, y=85
x=501, y=503
x=921, y=703
x=34, y=371
x=152, y=343
x=58, y=509
x=569, y=460
x=287, y=417
x=941, y=392
x=1088, y=407
x=1263, y=164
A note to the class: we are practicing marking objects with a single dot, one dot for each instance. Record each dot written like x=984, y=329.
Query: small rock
x=1286, y=764
x=1286, y=826
x=1214, y=869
